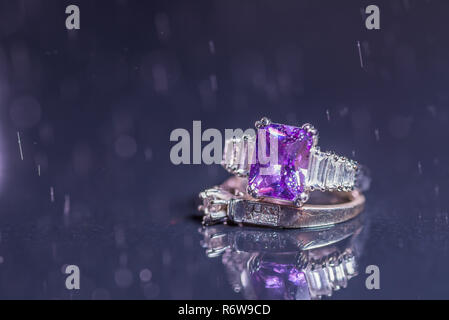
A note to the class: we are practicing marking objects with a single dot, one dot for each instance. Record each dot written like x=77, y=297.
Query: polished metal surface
x=309, y=216
x=219, y=237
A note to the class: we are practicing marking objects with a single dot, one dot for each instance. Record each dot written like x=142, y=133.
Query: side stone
x=330, y=172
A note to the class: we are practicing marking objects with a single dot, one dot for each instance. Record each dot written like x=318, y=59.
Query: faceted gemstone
x=330, y=172
x=349, y=173
x=285, y=178
x=237, y=156
x=330, y=176
x=339, y=174
x=318, y=169
x=245, y=156
x=313, y=170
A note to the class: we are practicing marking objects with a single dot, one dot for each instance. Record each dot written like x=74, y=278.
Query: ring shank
x=243, y=209
x=256, y=212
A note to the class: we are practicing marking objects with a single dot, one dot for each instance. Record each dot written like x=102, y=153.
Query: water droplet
x=377, y=134
x=145, y=275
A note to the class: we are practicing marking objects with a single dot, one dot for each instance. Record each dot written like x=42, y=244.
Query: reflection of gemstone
x=286, y=178
x=279, y=281
x=296, y=276
x=273, y=280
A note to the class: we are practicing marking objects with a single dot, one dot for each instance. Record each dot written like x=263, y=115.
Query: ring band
x=229, y=202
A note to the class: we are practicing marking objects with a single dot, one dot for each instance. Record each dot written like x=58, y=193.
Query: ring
x=230, y=202
x=283, y=164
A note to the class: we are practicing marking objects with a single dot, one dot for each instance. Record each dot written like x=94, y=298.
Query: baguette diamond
x=238, y=155
x=329, y=172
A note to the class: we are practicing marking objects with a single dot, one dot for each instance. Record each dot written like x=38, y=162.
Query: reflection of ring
x=220, y=238
x=229, y=202
x=287, y=264
x=284, y=164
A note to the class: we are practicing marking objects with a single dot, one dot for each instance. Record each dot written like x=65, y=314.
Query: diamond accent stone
x=238, y=155
x=348, y=175
x=330, y=172
x=261, y=215
x=331, y=175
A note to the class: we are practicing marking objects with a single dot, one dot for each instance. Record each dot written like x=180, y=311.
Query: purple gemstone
x=285, y=179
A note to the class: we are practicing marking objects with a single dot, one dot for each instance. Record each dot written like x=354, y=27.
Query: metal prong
x=251, y=191
x=215, y=252
x=299, y=201
x=310, y=128
x=218, y=202
x=262, y=123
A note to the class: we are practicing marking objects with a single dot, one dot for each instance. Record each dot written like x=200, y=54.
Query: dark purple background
x=95, y=109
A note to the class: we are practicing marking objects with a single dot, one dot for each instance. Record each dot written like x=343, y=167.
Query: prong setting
x=251, y=191
x=312, y=130
x=301, y=200
x=262, y=123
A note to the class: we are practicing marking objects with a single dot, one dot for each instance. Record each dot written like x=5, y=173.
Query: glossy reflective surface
x=94, y=110
x=289, y=264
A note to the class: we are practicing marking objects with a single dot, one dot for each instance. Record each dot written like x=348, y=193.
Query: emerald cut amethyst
x=286, y=178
